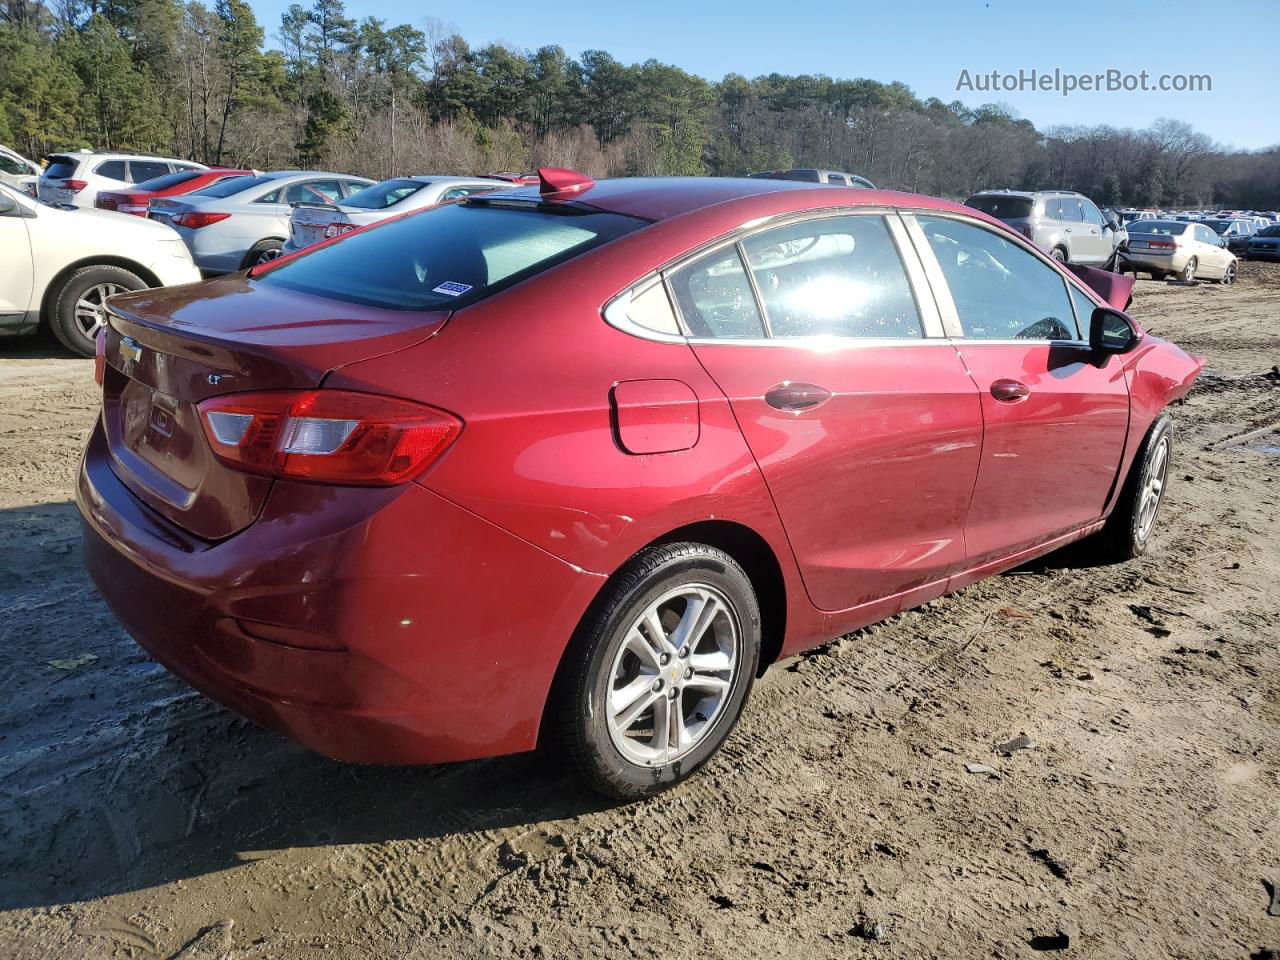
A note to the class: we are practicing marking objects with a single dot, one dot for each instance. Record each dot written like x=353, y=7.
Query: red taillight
x=100, y=356
x=328, y=436
x=75, y=186
x=338, y=229
x=196, y=219
x=1162, y=245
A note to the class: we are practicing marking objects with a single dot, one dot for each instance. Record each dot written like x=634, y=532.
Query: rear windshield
x=382, y=195
x=169, y=180
x=233, y=186
x=449, y=256
x=1002, y=208
x=1160, y=228
x=61, y=167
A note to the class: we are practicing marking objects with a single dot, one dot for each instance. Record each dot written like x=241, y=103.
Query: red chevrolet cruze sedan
x=577, y=462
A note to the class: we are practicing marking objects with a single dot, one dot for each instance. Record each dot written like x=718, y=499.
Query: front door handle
x=794, y=397
x=1009, y=391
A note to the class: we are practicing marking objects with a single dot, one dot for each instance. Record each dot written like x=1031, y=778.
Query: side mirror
x=1113, y=221
x=1111, y=331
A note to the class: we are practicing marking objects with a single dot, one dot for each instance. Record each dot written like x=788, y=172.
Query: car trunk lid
x=167, y=350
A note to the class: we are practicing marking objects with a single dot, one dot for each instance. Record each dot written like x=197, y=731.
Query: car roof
x=660, y=198
x=285, y=174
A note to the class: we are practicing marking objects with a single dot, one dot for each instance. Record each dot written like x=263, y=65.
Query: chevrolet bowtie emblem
x=130, y=350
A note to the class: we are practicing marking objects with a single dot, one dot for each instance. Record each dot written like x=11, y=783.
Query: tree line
x=184, y=78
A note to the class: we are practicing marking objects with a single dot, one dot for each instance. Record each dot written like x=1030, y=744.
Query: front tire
x=77, y=313
x=1229, y=277
x=1058, y=254
x=656, y=676
x=1128, y=529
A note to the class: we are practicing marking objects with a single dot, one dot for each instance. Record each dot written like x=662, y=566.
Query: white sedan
x=61, y=263
x=312, y=222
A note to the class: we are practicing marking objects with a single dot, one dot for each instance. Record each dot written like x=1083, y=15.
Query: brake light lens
x=327, y=436
x=75, y=186
x=338, y=229
x=1162, y=245
x=196, y=219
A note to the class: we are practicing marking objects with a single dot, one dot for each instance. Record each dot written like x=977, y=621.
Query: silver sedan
x=244, y=221
x=313, y=221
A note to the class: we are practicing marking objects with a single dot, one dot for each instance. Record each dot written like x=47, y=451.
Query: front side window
x=1000, y=290
x=449, y=256
x=1070, y=209
x=1084, y=310
x=837, y=276
x=114, y=169
x=10, y=164
x=715, y=297
x=1092, y=214
x=140, y=170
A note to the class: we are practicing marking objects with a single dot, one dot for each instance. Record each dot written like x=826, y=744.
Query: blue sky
x=923, y=43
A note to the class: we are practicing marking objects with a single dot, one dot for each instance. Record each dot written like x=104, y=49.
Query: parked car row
x=1066, y=225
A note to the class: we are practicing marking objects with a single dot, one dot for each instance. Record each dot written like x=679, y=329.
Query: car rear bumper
x=1168, y=262
x=375, y=625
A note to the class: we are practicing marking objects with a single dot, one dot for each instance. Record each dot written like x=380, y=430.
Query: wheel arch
x=58, y=279
x=746, y=546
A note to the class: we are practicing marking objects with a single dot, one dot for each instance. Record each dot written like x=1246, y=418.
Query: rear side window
x=837, y=178
x=314, y=191
x=113, y=169
x=1001, y=291
x=383, y=195
x=1002, y=208
x=168, y=180
x=60, y=168
x=449, y=256
x=838, y=276
x=1070, y=209
x=715, y=297
x=140, y=170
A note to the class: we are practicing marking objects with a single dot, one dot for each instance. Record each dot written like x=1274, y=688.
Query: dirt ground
x=139, y=821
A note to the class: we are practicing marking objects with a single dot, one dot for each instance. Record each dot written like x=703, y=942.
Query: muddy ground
x=139, y=821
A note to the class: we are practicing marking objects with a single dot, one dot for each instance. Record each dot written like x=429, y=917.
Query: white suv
x=76, y=178
x=60, y=265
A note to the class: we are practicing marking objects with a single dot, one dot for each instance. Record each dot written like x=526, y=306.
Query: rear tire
x=1157, y=274
x=1128, y=530
x=1059, y=254
x=75, y=306
x=261, y=252
x=628, y=666
x=1188, y=274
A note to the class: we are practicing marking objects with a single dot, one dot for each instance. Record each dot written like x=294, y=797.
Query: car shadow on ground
x=34, y=346
x=114, y=776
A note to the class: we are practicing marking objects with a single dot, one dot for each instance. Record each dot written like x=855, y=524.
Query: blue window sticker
x=452, y=288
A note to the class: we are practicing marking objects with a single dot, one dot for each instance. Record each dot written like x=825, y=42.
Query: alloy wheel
x=1152, y=491
x=1229, y=277
x=90, y=308
x=674, y=673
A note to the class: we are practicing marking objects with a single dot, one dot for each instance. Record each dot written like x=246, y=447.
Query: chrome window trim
x=932, y=329
x=824, y=343
x=942, y=290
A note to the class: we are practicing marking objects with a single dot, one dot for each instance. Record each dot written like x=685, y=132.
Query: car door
x=859, y=413
x=1210, y=251
x=1054, y=420
x=18, y=274
x=1100, y=237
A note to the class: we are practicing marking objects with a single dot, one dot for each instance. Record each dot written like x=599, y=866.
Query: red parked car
x=579, y=462
x=135, y=199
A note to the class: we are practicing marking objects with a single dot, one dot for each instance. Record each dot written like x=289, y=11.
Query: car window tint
x=1070, y=209
x=1053, y=209
x=314, y=191
x=140, y=170
x=168, y=180
x=384, y=194
x=837, y=178
x=60, y=168
x=835, y=276
x=457, y=193
x=715, y=297
x=449, y=256
x=111, y=168
x=1002, y=208
x=10, y=165
x=1001, y=291
x=234, y=185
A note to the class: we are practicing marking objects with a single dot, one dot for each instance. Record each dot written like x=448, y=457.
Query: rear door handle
x=1009, y=391
x=794, y=396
